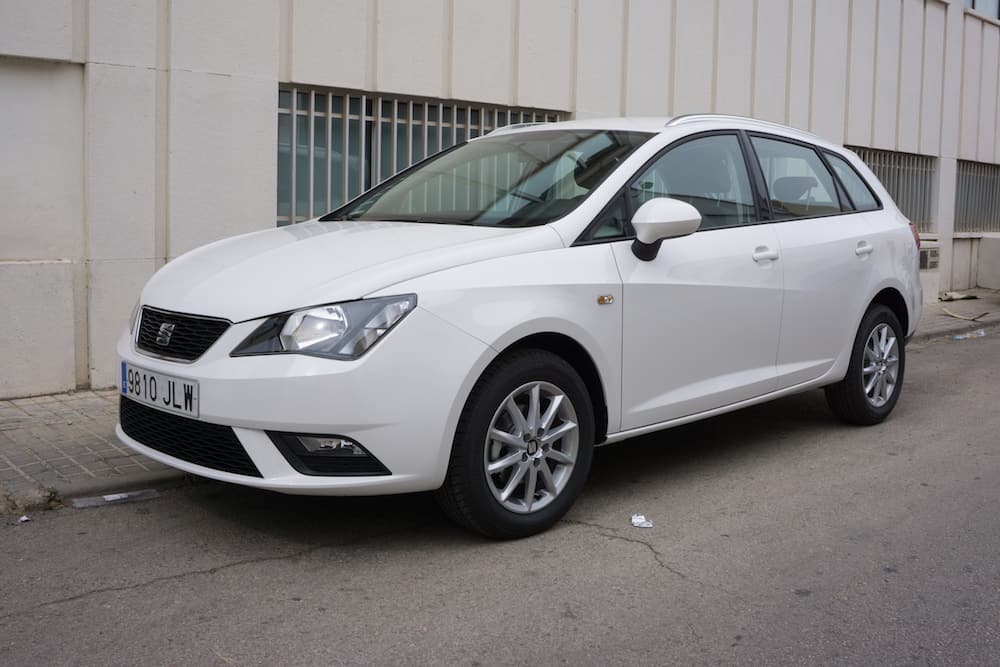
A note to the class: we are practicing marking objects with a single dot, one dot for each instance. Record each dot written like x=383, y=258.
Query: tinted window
x=798, y=182
x=612, y=223
x=859, y=192
x=709, y=173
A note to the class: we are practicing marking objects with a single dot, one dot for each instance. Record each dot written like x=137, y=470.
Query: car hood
x=262, y=273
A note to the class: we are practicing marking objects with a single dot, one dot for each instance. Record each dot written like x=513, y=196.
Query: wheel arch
x=576, y=355
x=894, y=301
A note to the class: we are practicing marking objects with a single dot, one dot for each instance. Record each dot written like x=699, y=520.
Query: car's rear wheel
x=869, y=391
x=522, y=449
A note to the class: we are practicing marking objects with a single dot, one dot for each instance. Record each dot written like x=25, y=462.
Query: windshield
x=515, y=180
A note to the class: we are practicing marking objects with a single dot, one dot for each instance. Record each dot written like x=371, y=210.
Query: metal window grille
x=977, y=197
x=345, y=142
x=908, y=178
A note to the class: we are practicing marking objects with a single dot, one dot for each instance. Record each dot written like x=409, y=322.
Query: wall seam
x=788, y=65
x=874, y=99
x=515, y=45
x=87, y=376
x=850, y=65
x=622, y=101
x=753, y=58
x=574, y=57
x=672, y=70
x=448, y=57
x=899, y=70
x=714, y=99
x=944, y=78
x=923, y=74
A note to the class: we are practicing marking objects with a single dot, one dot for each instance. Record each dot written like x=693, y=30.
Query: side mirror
x=662, y=218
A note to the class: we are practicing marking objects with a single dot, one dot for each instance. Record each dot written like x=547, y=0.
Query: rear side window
x=859, y=192
x=707, y=172
x=798, y=183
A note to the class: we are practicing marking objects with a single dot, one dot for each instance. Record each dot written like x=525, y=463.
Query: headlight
x=339, y=331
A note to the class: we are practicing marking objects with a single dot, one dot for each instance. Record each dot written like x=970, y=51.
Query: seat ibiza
x=477, y=324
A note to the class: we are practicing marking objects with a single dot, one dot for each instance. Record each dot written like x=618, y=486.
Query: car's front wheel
x=869, y=391
x=522, y=449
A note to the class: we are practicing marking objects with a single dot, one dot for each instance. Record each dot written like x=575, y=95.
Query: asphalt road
x=780, y=537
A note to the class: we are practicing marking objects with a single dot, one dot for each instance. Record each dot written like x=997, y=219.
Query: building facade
x=135, y=130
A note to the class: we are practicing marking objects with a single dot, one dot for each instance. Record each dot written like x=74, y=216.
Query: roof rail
x=516, y=126
x=696, y=117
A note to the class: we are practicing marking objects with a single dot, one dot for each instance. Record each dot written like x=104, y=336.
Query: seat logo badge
x=164, y=334
x=605, y=300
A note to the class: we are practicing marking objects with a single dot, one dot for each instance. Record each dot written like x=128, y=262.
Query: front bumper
x=400, y=401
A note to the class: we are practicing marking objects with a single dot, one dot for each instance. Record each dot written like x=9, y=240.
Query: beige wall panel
x=771, y=64
x=968, y=147
x=122, y=32
x=321, y=60
x=599, y=53
x=694, y=64
x=412, y=44
x=481, y=61
x=545, y=54
x=829, y=78
x=649, y=57
x=36, y=340
x=861, y=73
x=988, y=94
x=223, y=134
x=114, y=289
x=910, y=76
x=799, y=63
x=886, y=74
x=120, y=176
x=735, y=58
x=38, y=29
x=952, y=77
x=225, y=37
x=931, y=94
x=42, y=189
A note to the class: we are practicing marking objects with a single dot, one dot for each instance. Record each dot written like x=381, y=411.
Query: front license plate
x=160, y=390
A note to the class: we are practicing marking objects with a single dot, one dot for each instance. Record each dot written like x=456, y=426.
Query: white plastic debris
x=24, y=518
x=115, y=498
x=978, y=333
x=640, y=521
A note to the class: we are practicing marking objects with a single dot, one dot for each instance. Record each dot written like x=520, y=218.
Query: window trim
x=623, y=191
x=878, y=201
x=837, y=183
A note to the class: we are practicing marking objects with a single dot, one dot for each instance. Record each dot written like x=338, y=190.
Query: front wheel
x=869, y=391
x=522, y=449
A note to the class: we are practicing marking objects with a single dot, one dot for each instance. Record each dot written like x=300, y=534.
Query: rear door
x=827, y=252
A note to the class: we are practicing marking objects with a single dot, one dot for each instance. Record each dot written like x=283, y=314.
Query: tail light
x=916, y=235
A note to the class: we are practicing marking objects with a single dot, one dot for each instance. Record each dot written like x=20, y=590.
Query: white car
x=477, y=324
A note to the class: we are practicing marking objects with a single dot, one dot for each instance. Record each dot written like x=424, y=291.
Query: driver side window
x=709, y=173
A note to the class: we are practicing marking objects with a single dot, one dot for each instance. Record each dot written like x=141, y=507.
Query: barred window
x=347, y=141
x=977, y=197
x=908, y=178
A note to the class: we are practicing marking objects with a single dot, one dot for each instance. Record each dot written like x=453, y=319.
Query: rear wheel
x=869, y=391
x=522, y=449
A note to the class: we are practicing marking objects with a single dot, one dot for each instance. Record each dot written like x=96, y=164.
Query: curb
x=39, y=498
x=919, y=337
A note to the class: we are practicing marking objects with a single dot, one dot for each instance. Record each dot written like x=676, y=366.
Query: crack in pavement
x=657, y=556
x=193, y=573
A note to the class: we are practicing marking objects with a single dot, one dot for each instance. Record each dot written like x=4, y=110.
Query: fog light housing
x=326, y=455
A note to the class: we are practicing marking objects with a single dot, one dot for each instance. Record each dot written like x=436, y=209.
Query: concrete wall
x=135, y=130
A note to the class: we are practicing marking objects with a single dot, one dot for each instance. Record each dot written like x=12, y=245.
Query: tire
x=554, y=456
x=877, y=364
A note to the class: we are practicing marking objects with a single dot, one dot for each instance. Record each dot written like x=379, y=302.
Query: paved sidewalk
x=62, y=446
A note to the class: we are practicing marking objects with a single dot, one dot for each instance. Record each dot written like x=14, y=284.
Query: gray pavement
x=780, y=537
x=58, y=447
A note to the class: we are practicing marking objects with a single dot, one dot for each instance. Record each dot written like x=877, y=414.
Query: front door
x=701, y=320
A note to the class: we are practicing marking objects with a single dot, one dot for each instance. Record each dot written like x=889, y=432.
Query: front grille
x=177, y=336
x=209, y=445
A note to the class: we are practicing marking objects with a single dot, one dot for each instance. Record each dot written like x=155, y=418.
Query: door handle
x=762, y=253
x=864, y=248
